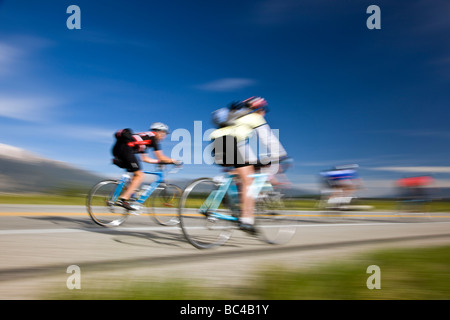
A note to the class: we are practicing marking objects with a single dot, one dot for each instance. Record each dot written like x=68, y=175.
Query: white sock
x=247, y=220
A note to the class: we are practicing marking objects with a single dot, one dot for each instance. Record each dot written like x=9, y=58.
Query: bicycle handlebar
x=176, y=168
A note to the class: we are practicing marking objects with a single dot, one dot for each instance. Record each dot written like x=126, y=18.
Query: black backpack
x=124, y=135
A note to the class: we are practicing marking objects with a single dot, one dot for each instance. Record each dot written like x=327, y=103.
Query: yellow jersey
x=242, y=127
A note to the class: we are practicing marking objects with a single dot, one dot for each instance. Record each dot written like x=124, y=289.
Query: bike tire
x=164, y=203
x=101, y=207
x=202, y=230
x=274, y=223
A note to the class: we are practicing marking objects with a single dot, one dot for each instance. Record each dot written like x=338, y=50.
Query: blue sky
x=339, y=93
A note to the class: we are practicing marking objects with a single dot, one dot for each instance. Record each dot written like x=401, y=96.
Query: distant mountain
x=23, y=171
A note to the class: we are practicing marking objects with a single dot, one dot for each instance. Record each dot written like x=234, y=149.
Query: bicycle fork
x=258, y=184
x=216, y=197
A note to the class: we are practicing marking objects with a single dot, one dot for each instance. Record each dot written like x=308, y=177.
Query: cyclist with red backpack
x=126, y=150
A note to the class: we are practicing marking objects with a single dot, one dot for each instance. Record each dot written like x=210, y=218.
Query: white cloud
x=8, y=56
x=66, y=132
x=19, y=52
x=227, y=84
x=418, y=169
x=418, y=133
x=442, y=183
x=21, y=96
x=33, y=109
x=86, y=133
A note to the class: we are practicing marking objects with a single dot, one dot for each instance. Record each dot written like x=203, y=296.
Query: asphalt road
x=39, y=243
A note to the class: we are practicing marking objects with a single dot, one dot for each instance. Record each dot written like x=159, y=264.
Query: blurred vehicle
x=414, y=193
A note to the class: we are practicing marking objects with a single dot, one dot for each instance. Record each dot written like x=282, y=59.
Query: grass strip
x=404, y=274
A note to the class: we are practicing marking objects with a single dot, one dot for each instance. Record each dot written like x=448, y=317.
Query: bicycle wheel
x=275, y=224
x=100, y=205
x=199, y=225
x=163, y=204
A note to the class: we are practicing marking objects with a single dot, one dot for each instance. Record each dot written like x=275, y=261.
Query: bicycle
x=162, y=206
x=209, y=211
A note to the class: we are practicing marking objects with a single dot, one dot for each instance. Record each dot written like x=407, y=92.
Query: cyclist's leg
x=136, y=181
x=244, y=158
x=130, y=162
x=247, y=200
x=229, y=153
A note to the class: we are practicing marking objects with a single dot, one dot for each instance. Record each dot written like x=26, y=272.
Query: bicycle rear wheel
x=275, y=224
x=100, y=205
x=163, y=204
x=199, y=225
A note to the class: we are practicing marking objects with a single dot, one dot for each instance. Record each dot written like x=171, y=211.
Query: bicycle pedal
x=212, y=219
x=136, y=209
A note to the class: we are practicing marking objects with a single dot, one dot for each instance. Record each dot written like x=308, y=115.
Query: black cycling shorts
x=125, y=157
x=227, y=153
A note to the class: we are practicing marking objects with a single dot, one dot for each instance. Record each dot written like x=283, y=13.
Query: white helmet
x=159, y=126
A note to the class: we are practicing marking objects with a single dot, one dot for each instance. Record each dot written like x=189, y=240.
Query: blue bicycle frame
x=148, y=190
x=212, y=203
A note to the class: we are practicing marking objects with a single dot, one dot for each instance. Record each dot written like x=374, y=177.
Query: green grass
x=290, y=204
x=392, y=205
x=42, y=199
x=406, y=274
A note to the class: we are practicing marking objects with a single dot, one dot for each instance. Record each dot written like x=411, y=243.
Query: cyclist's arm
x=273, y=145
x=162, y=158
x=147, y=159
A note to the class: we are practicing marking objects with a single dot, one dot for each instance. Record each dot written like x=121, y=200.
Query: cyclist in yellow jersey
x=231, y=149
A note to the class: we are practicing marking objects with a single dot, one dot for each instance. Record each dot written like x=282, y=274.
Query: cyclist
x=232, y=149
x=128, y=145
x=343, y=182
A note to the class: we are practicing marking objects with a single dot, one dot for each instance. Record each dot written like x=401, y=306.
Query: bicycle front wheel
x=275, y=224
x=101, y=207
x=164, y=204
x=197, y=220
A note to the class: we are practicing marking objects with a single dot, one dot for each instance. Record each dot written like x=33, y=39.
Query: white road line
x=158, y=228
x=100, y=230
